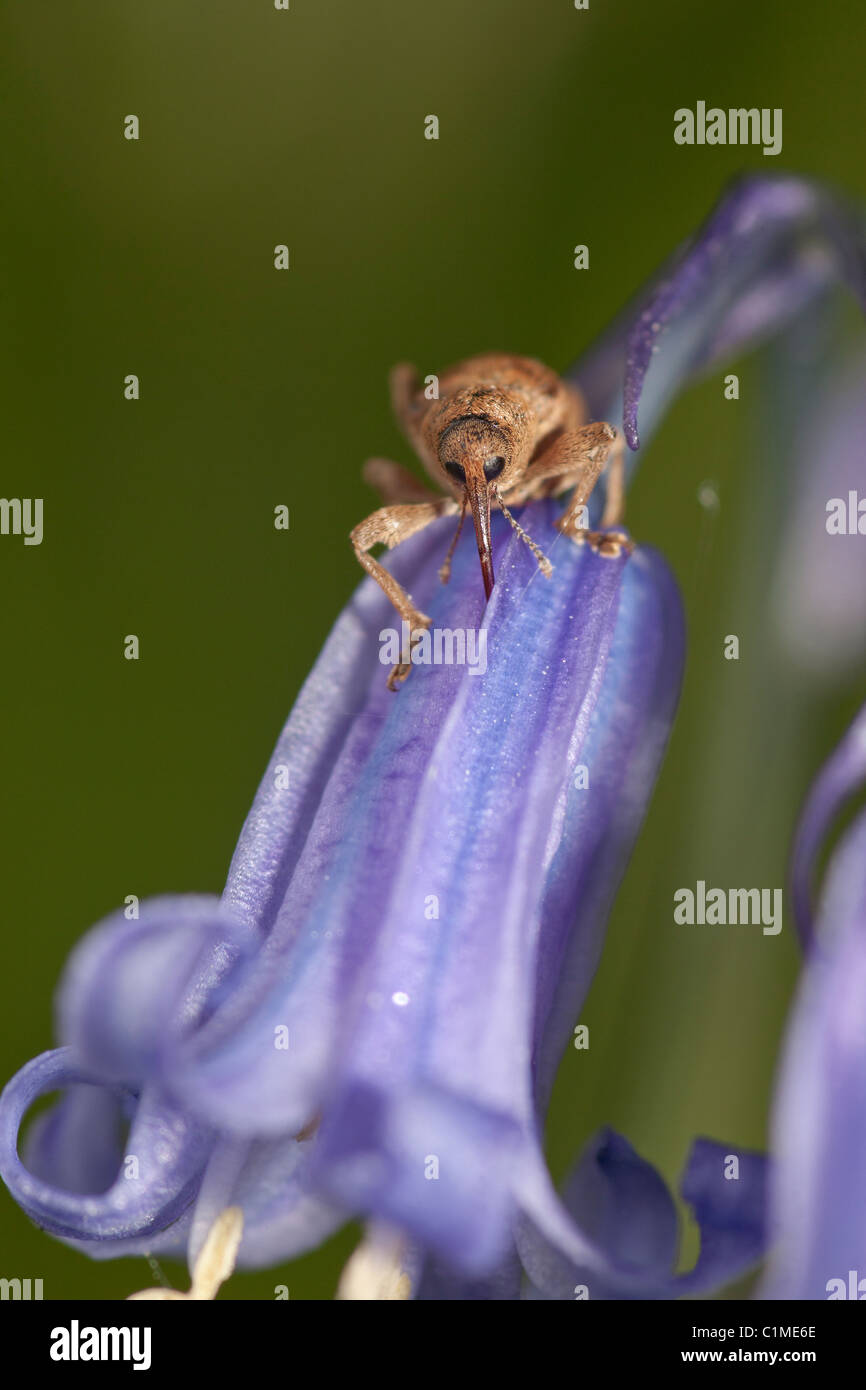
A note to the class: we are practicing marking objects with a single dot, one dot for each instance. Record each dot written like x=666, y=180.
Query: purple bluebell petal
x=131, y=988
x=77, y=1144
x=439, y=1284
x=273, y=1182
x=489, y=872
x=622, y=1204
x=331, y=912
x=169, y=1150
x=769, y=247
x=727, y=1191
x=619, y=1201
x=327, y=981
x=622, y=756
x=320, y=724
x=763, y=227
x=343, y=878
x=70, y=1181
x=842, y=774
x=377, y=1156
x=818, y=1197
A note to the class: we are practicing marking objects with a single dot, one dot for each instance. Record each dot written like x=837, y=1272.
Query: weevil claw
x=608, y=544
x=398, y=675
x=403, y=668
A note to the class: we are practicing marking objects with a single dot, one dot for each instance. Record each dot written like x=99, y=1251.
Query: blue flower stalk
x=367, y=1021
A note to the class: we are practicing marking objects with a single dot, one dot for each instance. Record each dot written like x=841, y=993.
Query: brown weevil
x=502, y=431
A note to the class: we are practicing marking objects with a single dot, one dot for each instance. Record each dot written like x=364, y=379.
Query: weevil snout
x=473, y=453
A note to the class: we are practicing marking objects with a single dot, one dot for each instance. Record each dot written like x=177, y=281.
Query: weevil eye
x=493, y=467
x=456, y=470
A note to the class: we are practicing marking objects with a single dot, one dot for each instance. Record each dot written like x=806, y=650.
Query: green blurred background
x=305, y=127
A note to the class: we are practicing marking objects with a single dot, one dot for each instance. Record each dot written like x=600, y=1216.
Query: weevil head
x=474, y=453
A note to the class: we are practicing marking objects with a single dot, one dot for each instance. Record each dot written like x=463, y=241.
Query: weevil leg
x=570, y=523
x=404, y=385
x=606, y=543
x=389, y=526
x=575, y=459
x=614, y=501
x=394, y=483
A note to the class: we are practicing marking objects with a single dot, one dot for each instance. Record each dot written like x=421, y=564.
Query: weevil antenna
x=445, y=568
x=543, y=563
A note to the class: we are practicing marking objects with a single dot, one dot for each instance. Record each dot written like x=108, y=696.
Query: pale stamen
x=375, y=1271
x=215, y=1263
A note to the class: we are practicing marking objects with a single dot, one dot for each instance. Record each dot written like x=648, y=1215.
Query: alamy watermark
x=851, y=1288
x=737, y=126
x=21, y=1289
x=438, y=646
x=22, y=516
x=718, y=907
x=846, y=516
x=77, y=1343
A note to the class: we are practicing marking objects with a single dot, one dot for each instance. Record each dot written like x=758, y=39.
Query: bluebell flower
x=396, y=940
x=367, y=1021
x=817, y=1205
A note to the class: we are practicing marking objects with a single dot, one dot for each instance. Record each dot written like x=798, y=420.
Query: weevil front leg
x=614, y=502
x=389, y=526
x=607, y=541
x=576, y=459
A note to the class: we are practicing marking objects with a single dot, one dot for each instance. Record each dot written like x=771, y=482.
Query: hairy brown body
x=502, y=431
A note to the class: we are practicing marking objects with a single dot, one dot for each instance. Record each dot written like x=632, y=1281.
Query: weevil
x=502, y=431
